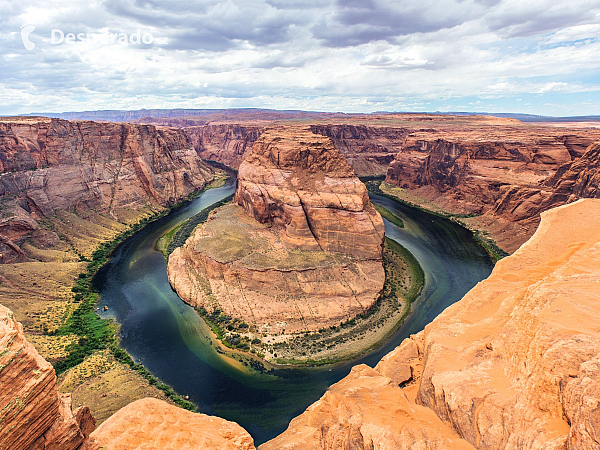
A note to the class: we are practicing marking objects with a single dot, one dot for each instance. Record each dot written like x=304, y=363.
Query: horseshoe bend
x=300, y=248
x=295, y=268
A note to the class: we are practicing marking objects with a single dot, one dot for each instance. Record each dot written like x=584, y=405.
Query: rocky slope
x=151, y=423
x=32, y=413
x=224, y=143
x=500, y=173
x=513, y=365
x=302, y=251
x=117, y=170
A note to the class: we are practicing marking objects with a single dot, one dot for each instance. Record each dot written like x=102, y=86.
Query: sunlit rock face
x=301, y=247
x=514, y=365
x=33, y=415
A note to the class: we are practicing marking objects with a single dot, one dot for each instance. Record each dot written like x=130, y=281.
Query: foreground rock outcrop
x=302, y=251
x=513, y=365
x=151, y=423
x=33, y=415
x=116, y=170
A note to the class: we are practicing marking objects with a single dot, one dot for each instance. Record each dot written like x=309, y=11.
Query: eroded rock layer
x=500, y=173
x=301, y=248
x=513, y=365
x=33, y=415
x=297, y=180
x=154, y=424
x=49, y=165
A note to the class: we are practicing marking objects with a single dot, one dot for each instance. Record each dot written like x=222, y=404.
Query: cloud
x=352, y=55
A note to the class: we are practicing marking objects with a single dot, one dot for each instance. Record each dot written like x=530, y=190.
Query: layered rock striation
x=33, y=415
x=297, y=180
x=501, y=173
x=513, y=365
x=48, y=165
x=301, y=248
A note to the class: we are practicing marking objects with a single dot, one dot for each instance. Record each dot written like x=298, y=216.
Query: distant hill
x=209, y=114
x=198, y=116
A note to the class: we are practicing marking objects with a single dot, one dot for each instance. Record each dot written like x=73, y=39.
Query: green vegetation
x=488, y=244
x=182, y=233
x=95, y=333
x=389, y=216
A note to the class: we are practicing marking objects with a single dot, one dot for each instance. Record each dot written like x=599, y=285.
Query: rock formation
x=299, y=181
x=307, y=252
x=500, y=173
x=32, y=413
x=224, y=143
x=513, y=365
x=151, y=423
x=48, y=165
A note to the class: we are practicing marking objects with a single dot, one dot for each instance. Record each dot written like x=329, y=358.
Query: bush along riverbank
x=404, y=279
x=95, y=334
x=488, y=244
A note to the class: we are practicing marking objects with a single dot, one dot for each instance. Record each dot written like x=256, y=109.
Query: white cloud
x=344, y=55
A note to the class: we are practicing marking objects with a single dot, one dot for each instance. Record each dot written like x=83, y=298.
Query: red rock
x=297, y=180
x=154, y=424
x=32, y=413
x=51, y=164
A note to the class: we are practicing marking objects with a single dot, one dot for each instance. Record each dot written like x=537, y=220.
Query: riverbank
x=92, y=345
x=482, y=236
x=344, y=341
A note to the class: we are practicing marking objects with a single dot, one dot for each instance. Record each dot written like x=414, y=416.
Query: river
x=174, y=343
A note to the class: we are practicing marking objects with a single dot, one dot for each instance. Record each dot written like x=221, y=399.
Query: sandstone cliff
x=154, y=424
x=513, y=365
x=50, y=165
x=299, y=181
x=499, y=173
x=224, y=143
x=33, y=415
x=306, y=254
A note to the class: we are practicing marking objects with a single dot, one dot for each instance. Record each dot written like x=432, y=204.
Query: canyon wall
x=503, y=174
x=224, y=143
x=513, y=365
x=300, y=250
x=368, y=149
x=116, y=170
x=33, y=415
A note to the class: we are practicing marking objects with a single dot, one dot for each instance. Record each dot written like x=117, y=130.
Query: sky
x=525, y=56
